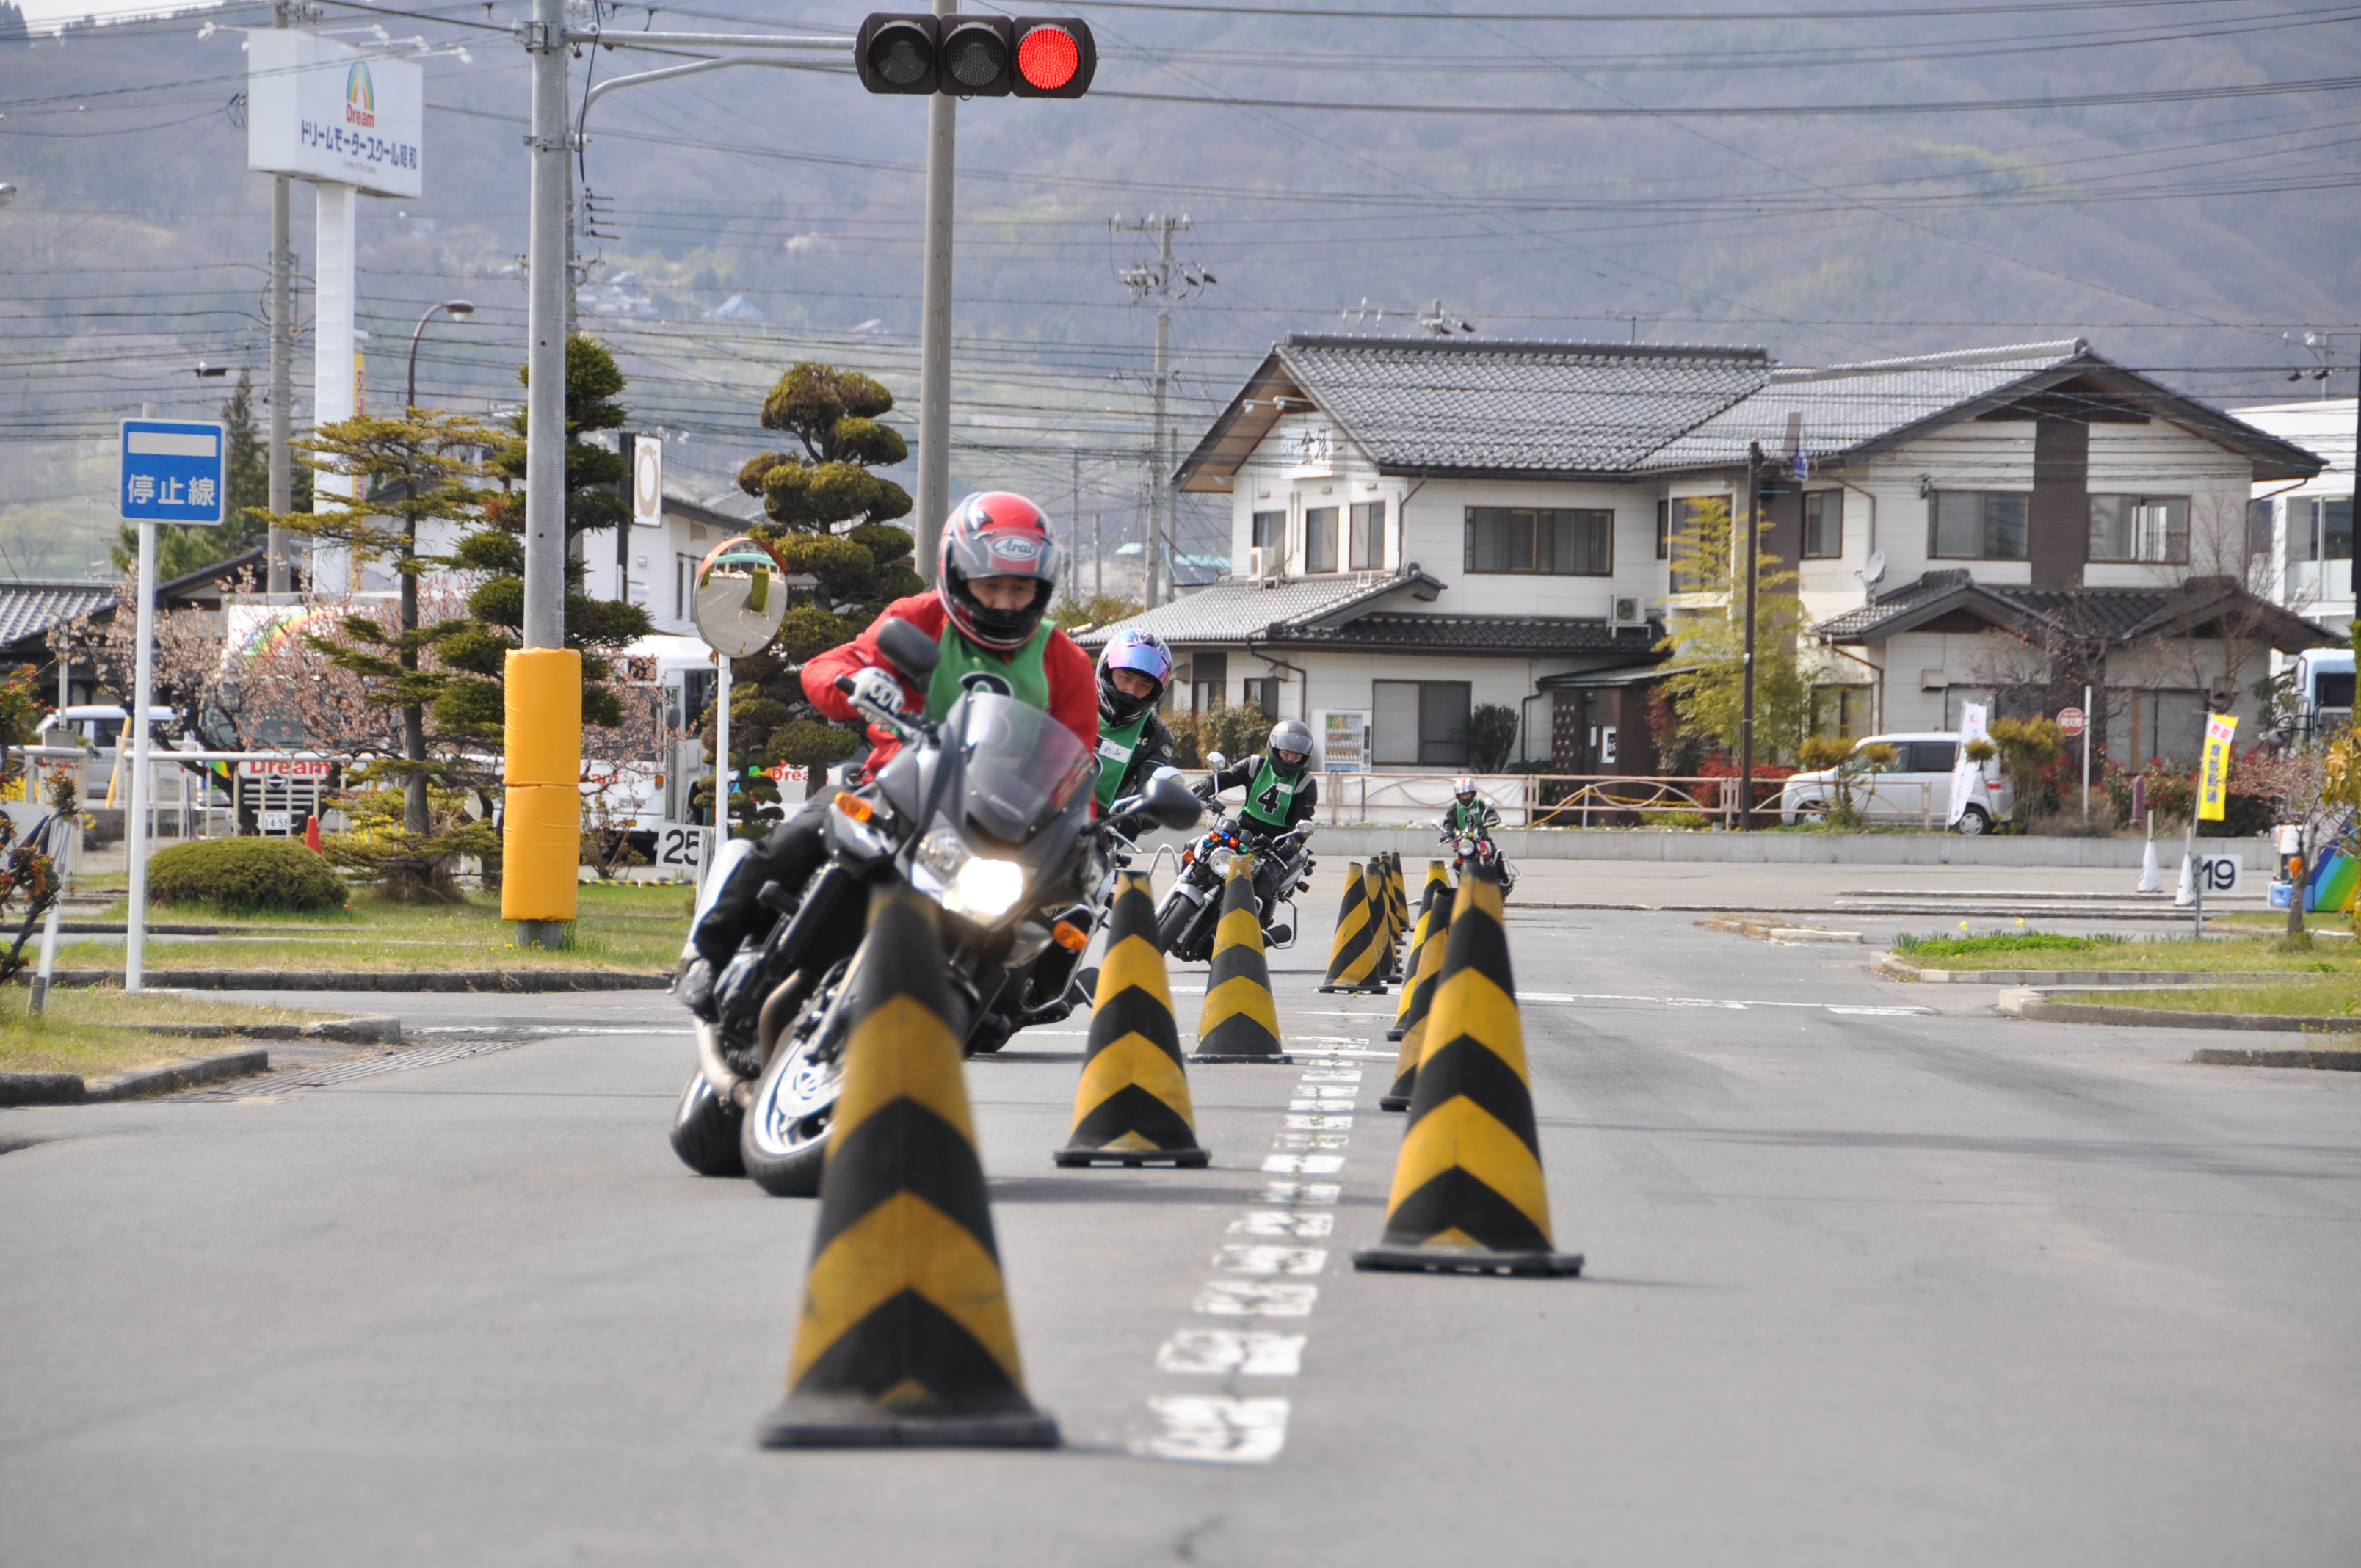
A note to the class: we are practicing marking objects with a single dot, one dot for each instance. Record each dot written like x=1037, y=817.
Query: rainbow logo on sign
x=360, y=97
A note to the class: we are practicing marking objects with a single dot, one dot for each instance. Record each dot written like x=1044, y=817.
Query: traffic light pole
x=935, y=329
x=1746, y=708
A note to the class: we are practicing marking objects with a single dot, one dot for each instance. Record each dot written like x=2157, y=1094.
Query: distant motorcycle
x=1191, y=906
x=1478, y=848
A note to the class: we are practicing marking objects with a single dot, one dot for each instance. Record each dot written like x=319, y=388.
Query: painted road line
x=1240, y=1298
x=1245, y=1353
x=1303, y=1165
x=1564, y=998
x=1291, y=1193
x=1243, y=1257
x=1280, y=1223
x=1217, y=1430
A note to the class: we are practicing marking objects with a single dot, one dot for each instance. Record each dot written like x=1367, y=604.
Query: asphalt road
x=1875, y=1276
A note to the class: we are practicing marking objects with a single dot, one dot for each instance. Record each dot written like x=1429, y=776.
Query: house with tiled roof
x=1419, y=527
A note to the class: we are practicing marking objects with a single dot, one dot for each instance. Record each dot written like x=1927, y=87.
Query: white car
x=1915, y=787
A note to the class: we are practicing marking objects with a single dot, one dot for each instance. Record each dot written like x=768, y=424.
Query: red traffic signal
x=976, y=57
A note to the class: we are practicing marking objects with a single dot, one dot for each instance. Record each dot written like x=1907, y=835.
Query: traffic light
x=976, y=57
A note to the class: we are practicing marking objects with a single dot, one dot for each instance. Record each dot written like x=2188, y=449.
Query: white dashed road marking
x=1248, y=1352
x=1217, y=1431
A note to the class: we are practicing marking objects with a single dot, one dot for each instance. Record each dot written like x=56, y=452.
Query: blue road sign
x=173, y=471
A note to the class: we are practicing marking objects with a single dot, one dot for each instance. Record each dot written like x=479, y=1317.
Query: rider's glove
x=1202, y=791
x=876, y=694
x=695, y=989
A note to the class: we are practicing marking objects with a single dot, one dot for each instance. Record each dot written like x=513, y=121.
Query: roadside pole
x=935, y=329
x=2086, y=756
x=1746, y=709
x=725, y=778
x=135, y=825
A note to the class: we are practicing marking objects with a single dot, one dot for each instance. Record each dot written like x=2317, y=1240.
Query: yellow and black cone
x=1436, y=896
x=1133, y=1107
x=1469, y=1195
x=1418, y=990
x=1381, y=899
x=905, y=1337
x=1240, y=1022
x=1353, y=955
x=1398, y=889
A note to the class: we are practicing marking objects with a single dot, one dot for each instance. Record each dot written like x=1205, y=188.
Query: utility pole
x=545, y=493
x=1746, y=709
x=1156, y=280
x=935, y=329
x=278, y=577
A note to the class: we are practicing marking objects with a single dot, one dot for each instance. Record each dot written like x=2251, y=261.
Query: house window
x=1823, y=525
x=2139, y=528
x=1269, y=530
x=1419, y=723
x=1209, y=681
x=2259, y=523
x=1368, y=542
x=1694, y=569
x=1841, y=711
x=1320, y=539
x=2320, y=530
x=684, y=586
x=1262, y=695
x=1552, y=541
x=1663, y=530
x=1976, y=525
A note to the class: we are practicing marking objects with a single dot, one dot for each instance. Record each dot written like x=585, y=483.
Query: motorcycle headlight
x=963, y=881
x=988, y=889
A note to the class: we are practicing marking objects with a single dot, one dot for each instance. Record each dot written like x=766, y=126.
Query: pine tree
x=471, y=703
x=829, y=517
x=12, y=25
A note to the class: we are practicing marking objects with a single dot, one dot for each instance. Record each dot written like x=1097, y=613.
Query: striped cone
x=1469, y=1195
x=1417, y=1014
x=1381, y=903
x=1240, y=1022
x=1353, y=956
x=1132, y=1106
x=1399, y=892
x=905, y=1338
x=1437, y=890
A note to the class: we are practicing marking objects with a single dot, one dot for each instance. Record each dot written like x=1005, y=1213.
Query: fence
x=1602, y=800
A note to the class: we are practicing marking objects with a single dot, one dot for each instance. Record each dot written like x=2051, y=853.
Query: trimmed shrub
x=242, y=874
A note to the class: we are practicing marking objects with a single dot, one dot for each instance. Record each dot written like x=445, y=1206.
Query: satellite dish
x=740, y=599
x=1872, y=571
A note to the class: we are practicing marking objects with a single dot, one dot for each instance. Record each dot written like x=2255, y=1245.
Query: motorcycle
x=1478, y=848
x=1191, y=906
x=988, y=814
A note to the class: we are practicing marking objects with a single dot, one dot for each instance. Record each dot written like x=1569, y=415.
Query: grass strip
x=2043, y=950
x=80, y=1030
x=2327, y=998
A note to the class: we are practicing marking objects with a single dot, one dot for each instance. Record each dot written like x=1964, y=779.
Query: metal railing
x=1604, y=800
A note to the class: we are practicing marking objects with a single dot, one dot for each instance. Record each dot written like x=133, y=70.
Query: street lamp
x=460, y=311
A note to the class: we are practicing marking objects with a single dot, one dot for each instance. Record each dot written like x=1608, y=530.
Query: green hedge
x=244, y=873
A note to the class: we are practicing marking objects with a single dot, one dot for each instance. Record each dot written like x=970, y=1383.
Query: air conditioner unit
x=1262, y=562
x=1629, y=611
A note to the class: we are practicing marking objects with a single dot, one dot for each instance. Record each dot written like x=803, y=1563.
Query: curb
x=378, y=1029
x=1886, y=964
x=2327, y=1061
x=2034, y=1005
x=66, y=1088
x=514, y=982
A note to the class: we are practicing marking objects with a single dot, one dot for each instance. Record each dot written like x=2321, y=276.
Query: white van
x=1915, y=787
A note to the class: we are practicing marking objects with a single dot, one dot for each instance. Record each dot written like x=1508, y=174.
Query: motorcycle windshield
x=1019, y=766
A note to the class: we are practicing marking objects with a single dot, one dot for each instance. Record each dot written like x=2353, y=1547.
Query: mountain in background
x=744, y=219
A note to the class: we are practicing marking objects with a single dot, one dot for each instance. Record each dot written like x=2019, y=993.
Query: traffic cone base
x=1240, y=1021
x=905, y=1337
x=1467, y=1193
x=1132, y=1106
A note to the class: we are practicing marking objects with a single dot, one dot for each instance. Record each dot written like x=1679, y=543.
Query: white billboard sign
x=647, y=480
x=325, y=111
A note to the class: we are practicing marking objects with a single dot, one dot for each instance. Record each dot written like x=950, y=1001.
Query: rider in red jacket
x=997, y=571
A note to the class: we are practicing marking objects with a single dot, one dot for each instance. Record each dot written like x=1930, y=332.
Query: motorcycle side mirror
x=908, y=650
x=1169, y=800
x=1216, y=762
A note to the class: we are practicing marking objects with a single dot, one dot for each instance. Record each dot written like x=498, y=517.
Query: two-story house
x=1420, y=527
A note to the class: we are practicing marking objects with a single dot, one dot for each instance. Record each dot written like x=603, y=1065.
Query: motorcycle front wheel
x=705, y=1130
x=783, y=1138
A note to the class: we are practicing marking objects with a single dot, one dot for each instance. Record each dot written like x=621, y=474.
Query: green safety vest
x=1021, y=675
x=1467, y=818
x=1117, y=743
x=1271, y=794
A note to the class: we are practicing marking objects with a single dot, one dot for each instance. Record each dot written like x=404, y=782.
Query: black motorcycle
x=987, y=814
x=1191, y=907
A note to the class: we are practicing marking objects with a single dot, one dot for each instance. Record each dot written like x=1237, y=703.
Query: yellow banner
x=2214, y=774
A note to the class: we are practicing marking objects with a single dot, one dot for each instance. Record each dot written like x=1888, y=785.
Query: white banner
x=325, y=111
x=1964, y=770
x=647, y=480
